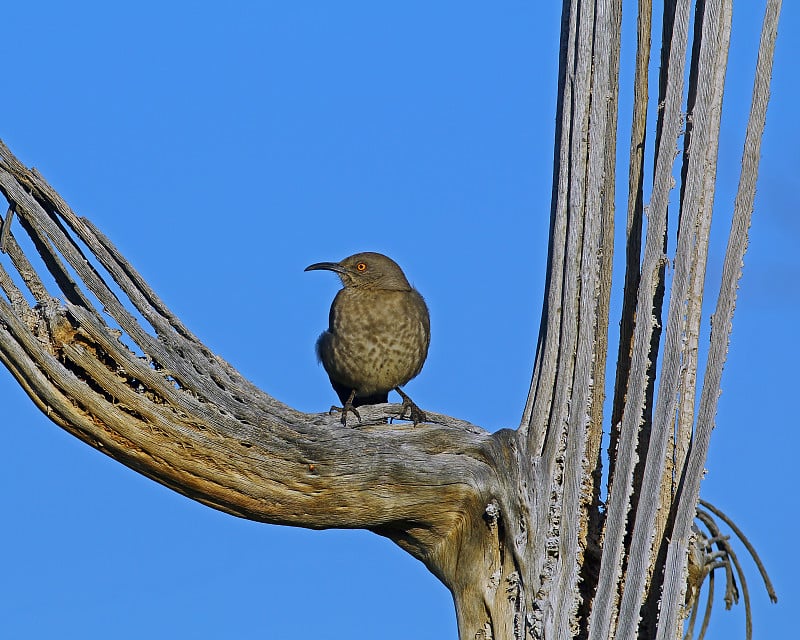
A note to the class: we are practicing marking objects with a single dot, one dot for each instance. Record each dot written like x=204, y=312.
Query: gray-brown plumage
x=378, y=333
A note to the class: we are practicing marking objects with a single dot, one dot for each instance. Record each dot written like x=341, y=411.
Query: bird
x=378, y=334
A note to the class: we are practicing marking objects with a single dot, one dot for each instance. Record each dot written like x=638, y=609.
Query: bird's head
x=367, y=270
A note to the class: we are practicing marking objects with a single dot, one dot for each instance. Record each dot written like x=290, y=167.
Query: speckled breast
x=377, y=339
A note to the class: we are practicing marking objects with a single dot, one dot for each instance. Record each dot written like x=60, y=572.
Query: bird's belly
x=377, y=361
x=373, y=364
x=376, y=341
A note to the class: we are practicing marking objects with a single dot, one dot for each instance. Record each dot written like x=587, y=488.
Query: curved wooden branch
x=154, y=398
x=140, y=387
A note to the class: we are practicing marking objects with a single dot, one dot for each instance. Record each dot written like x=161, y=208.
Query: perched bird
x=378, y=333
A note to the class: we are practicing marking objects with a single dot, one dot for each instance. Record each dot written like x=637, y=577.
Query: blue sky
x=223, y=150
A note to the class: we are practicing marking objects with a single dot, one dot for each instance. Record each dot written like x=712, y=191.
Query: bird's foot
x=415, y=414
x=348, y=407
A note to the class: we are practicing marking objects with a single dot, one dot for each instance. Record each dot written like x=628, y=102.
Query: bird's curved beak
x=326, y=266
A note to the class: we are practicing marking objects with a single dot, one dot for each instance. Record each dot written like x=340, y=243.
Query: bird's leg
x=415, y=414
x=348, y=406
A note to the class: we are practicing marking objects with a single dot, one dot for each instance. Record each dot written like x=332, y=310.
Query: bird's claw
x=348, y=406
x=415, y=414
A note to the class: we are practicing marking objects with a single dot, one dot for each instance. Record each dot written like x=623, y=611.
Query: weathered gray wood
x=675, y=348
x=721, y=327
x=635, y=212
x=535, y=416
x=618, y=503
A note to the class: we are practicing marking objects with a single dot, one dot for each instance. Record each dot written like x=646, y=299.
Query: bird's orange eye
x=361, y=266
